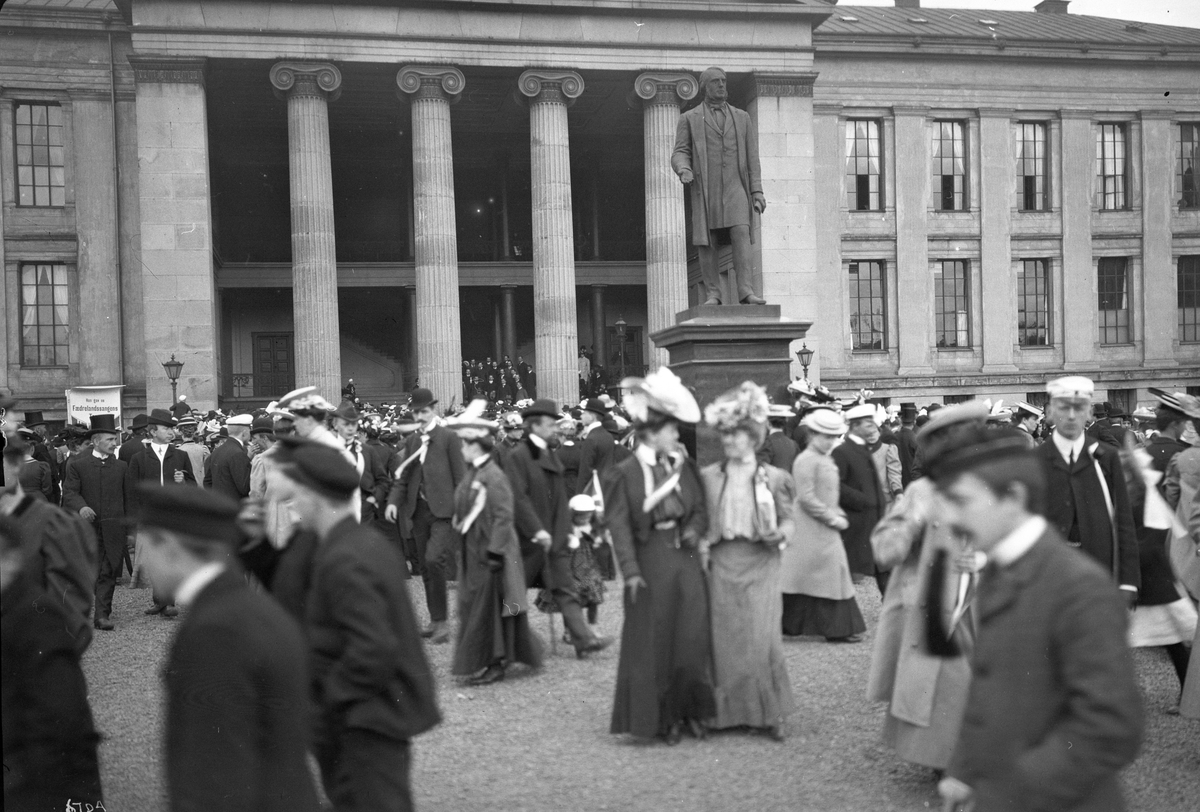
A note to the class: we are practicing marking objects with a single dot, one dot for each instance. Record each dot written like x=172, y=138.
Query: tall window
x=1189, y=298
x=864, y=185
x=44, y=319
x=868, y=313
x=949, y=166
x=1114, y=300
x=1189, y=163
x=1033, y=303
x=952, y=312
x=1031, y=166
x=1110, y=166
x=39, y=135
x=1123, y=401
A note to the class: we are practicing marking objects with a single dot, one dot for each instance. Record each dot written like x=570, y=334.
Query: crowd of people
x=1020, y=554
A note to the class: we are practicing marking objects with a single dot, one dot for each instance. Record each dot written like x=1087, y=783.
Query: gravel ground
x=540, y=741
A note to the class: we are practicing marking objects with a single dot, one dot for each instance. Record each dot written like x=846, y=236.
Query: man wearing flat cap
x=97, y=488
x=1054, y=710
x=543, y=519
x=861, y=494
x=228, y=470
x=1088, y=502
x=371, y=682
x=237, y=730
x=423, y=494
x=716, y=156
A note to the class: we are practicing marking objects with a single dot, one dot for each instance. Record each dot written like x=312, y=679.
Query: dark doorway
x=274, y=364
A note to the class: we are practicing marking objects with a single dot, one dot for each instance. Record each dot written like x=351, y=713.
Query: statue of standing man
x=716, y=156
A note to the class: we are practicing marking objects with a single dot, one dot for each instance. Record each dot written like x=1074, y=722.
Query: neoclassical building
x=962, y=203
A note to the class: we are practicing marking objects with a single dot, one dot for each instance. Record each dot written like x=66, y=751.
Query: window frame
x=855, y=284
x=59, y=361
x=1105, y=323
x=1180, y=169
x=1193, y=289
x=1023, y=297
x=850, y=141
x=939, y=299
x=1044, y=159
x=1124, y=176
x=50, y=166
x=937, y=179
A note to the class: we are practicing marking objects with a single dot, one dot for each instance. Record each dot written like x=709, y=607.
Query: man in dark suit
x=137, y=440
x=424, y=495
x=861, y=495
x=906, y=441
x=372, y=683
x=1054, y=710
x=237, y=685
x=778, y=449
x=227, y=471
x=379, y=460
x=97, y=489
x=716, y=156
x=597, y=445
x=1088, y=502
x=44, y=453
x=50, y=738
x=543, y=520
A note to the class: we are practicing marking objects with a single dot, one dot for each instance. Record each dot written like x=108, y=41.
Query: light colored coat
x=814, y=562
x=778, y=482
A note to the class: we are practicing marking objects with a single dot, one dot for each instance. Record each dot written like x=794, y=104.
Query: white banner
x=85, y=401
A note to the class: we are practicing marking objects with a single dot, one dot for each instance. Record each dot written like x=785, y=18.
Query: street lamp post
x=805, y=356
x=620, y=325
x=173, y=368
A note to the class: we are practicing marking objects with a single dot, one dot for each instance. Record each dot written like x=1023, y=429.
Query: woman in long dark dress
x=656, y=514
x=493, y=614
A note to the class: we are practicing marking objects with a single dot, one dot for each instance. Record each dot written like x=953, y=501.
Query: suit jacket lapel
x=1003, y=586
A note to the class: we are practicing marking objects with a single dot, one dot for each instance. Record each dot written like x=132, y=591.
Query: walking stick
x=553, y=636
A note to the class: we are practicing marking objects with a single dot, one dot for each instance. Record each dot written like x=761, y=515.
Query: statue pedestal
x=714, y=348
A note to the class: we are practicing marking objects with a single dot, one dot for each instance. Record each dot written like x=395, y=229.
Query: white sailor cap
x=1071, y=386
x=1029, y=408
x=860, y=411
x=240, y=420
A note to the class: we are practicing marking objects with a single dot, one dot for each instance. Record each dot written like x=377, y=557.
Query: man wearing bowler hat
x=236, y=676
x=228, y=471
x=432, y=466
x=97, y=489
x=137, y=440
x=543, y=519
x=597, y=446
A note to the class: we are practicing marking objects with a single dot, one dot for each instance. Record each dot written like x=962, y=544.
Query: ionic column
x=508, y=318
x=308, y=88
x=439, y=354
x=410, y=310
x=666, y=235
x=554, y=321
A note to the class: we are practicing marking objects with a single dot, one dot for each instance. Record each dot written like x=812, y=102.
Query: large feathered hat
x=661, y=391
x=743, y=407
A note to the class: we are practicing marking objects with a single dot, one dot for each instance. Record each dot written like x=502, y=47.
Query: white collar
x=1065, y=446
x=1017, y=543
x=479, y=462
x=645, y=454
x=538, y=441
x=195, y=583
x=854, y=438
x=100, y=456
x=588, y=429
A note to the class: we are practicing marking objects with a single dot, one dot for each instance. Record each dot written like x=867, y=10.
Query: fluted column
x=554, y=320
x=308, y=88
x=666, y=235
x=439, y=351
x=508, y=315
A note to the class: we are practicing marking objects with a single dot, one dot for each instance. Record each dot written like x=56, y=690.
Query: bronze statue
x=716, y=156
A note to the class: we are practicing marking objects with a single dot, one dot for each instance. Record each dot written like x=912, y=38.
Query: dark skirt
x=486, y=636
x=664, y=675
x=822, y=617
x=585, y=578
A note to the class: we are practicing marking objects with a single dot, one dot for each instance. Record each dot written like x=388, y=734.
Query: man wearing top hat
x=137, y=440
x=1088, y=503
x=237, y=727
x=716, y=156
x=43, y=453
x=423, y=493
x=597, y=445
x=543, y=519
x=906, y=441
x=97, y=489
x=228, y=470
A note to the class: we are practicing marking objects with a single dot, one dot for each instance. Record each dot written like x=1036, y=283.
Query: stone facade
x=311, y=238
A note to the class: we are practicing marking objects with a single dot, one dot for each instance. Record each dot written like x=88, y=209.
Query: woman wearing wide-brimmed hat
x=750, y=519
x=656, y=515
x=818, y=592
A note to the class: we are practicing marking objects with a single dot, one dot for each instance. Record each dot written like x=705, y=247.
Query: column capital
x=168, y=69
x=666, y=88
x=777, y=85
x=562, y=86
x=431, y=82
x=308, y=78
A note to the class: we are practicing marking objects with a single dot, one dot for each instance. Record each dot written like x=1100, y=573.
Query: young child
x=583, y=540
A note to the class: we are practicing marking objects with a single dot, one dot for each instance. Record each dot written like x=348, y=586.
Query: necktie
x=1071, y=458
